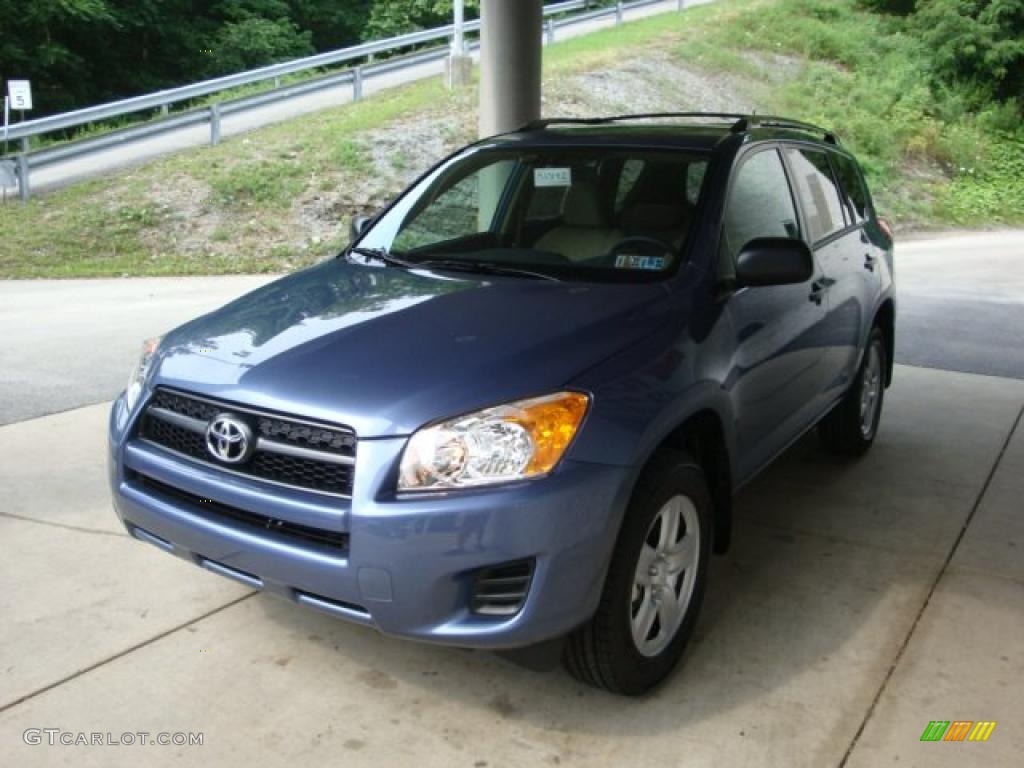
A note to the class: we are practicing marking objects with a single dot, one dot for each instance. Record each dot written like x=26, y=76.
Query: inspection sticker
x=634, y=261
x=552, y=177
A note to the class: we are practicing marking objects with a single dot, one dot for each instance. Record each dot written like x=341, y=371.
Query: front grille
x=174, y=437
x=289, y=451
x=214, y=510
x=501, y=589
x=203, y=410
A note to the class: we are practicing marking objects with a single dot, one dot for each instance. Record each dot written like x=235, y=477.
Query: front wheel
x=851, y=427
x=655, y=583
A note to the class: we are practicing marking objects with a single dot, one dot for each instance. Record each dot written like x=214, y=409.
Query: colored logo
x=958, y=730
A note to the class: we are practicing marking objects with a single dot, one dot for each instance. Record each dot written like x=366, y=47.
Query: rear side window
x=760, y=203
x=818, y=192
x=855, y=193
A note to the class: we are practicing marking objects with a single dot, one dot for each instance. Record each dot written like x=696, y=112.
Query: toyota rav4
x=517, y=407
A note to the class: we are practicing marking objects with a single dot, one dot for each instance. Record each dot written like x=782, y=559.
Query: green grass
x=280, y=197
x=113, y=227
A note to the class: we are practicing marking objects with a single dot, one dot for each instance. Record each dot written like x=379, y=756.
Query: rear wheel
x=655, y=583
x=851, y=427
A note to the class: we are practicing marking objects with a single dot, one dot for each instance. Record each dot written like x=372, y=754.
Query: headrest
x=661, y=182
x=582, y=206
x=651, y=217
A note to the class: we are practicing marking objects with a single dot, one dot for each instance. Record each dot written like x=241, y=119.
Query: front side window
x=760, y=203
x=568, y=211
x=818, y=191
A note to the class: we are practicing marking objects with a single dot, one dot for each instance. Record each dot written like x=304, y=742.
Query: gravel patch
x=654, y=84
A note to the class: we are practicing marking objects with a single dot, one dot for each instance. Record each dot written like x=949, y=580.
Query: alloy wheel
x=666, y=573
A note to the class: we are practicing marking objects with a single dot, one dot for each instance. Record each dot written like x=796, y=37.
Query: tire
x=850, y=429
x=603, y=652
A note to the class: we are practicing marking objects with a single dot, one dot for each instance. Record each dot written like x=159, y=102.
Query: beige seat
x=584, y=232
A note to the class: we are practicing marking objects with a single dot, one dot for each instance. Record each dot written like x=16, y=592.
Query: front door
x=777, y=369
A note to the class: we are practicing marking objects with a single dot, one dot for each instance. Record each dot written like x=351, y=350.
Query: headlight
x=138, y=378
x=509, y=442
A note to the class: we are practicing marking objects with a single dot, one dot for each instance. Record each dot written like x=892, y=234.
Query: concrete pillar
x=510, y=63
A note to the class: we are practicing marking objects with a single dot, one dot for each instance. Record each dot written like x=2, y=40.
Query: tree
x=334, y=24
x=395, y=17
x=254, y=33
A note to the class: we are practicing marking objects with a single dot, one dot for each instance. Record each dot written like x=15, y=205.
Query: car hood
x=386, y=350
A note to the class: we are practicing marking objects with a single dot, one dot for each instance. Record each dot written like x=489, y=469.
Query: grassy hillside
x=281, y=197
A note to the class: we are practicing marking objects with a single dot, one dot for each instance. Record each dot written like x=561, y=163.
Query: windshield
x=586, y=213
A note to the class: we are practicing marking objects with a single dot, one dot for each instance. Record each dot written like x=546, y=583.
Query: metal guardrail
x=22, y=164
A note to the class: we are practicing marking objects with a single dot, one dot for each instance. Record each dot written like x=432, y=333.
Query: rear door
x=865, y=254
x=835, y=241
x=777, y=368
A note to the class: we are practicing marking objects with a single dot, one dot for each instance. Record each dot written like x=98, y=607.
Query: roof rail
x=539, y=125
x=740, y=122
x=771, y=121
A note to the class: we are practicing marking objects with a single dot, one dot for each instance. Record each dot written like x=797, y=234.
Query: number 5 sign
x=20, y=92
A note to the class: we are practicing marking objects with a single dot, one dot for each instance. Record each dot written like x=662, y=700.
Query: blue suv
x=518, y=405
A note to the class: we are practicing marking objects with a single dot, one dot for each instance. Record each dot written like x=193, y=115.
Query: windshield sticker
x=633, y=261
x=552, y=177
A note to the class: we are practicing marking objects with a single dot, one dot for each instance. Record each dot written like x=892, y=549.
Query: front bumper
x=408, y=564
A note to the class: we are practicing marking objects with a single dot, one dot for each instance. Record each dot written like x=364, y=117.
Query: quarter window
x=818, y=192
x=855, y=193
x=760, y=203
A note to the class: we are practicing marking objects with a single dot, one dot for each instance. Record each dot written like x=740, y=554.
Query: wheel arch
x=702, y=434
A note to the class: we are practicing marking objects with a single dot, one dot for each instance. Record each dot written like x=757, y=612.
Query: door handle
x=869, y=262
x=817, y=292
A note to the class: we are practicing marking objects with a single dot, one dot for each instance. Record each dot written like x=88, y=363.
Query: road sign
x=20, y=92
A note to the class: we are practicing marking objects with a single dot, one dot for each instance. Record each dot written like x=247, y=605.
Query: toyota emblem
x=229, y=439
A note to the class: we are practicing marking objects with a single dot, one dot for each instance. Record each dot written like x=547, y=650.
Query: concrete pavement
x=860, y=601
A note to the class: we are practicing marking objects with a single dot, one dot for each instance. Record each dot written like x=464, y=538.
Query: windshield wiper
x=484, y=267
x=382, y=255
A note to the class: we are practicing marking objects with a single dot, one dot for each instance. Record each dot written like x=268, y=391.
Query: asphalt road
x=961, y=303
x=68, y=343
x=136, y=152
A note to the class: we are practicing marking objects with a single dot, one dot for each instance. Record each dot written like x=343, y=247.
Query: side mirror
x=774, y=261
x=358, y=225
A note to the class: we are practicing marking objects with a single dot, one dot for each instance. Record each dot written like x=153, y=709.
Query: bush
x=977, y=43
